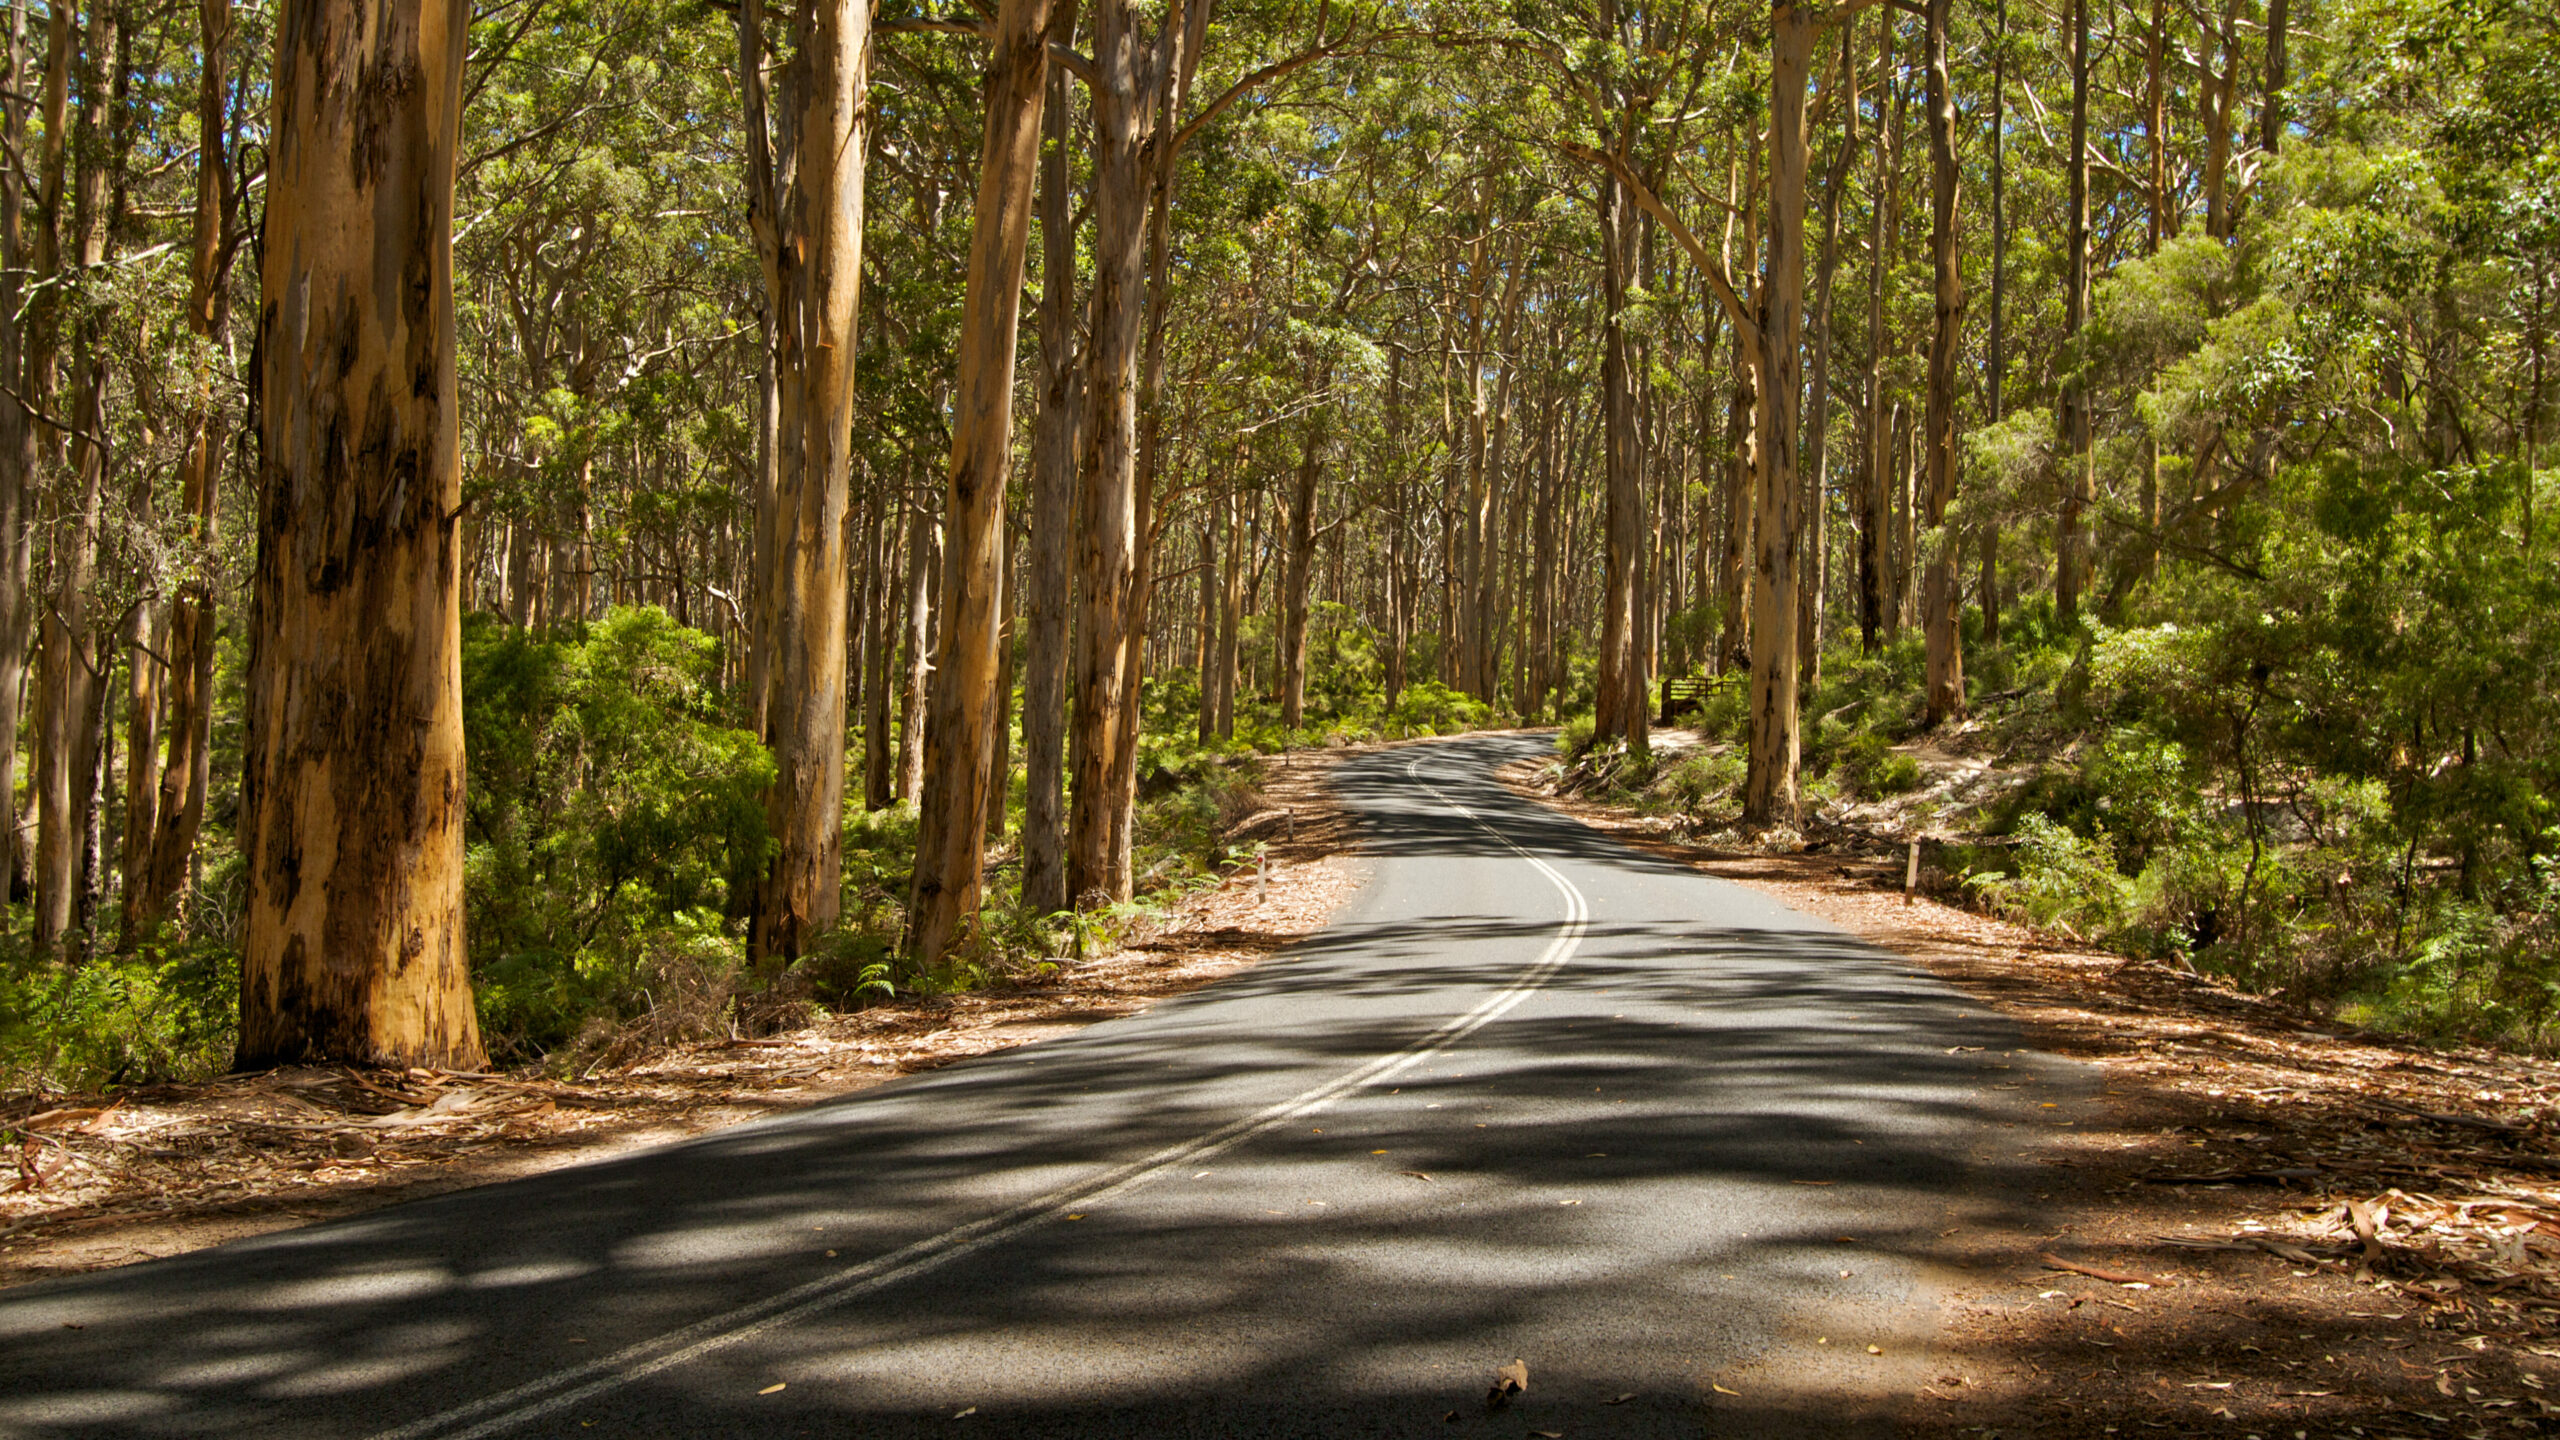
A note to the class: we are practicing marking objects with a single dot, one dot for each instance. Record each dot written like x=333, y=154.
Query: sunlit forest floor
x=2262, y=1226
x=155, y=1170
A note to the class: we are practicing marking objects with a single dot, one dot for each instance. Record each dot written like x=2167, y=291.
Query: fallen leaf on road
x=1510, y=1380
x=1621, y=1399
x=965, y=1414
x=1721, y=1390
x=1416, y=1174
x=769, y=1389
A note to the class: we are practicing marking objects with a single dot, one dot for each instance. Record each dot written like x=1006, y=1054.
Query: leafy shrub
x=614, y=817
x=160, y=1014
x=2062, y=879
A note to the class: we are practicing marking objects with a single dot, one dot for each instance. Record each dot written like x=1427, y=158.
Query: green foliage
x=160, y=1014
x=614, y=817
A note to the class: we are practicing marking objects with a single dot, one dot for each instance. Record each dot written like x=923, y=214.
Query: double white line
x=562, y=1389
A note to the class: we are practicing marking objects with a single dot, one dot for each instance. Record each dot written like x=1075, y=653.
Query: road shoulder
x=2196, y=1261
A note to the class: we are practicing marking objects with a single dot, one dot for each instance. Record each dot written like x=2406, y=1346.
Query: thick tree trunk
x=25, y=359
x=809, y=237
x=950, y=832
x=351, y=801
x=1942, y=599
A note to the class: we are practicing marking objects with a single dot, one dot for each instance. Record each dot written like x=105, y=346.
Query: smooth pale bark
x=1622, y=707
x=923, y=559
x=2071, y=448
x=1050, y=575
x=70, y=685
x=879, y=649
x=180, y=807
x=808, y=235
x=1769, y=787
x=1941, y=598
x=1810, y=615
x=1741, y=472
x=1297, y=565
x=1874, y=513
x=351, y=801
x=951, y=829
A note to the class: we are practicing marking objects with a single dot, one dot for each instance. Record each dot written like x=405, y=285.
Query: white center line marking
x=561, y=1389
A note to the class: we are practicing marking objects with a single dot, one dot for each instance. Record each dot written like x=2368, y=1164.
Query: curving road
x=1531, y=1095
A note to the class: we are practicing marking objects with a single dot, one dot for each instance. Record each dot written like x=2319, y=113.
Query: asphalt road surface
x=1532, y=1095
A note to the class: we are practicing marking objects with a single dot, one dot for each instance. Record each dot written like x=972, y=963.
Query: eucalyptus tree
x=351, y=806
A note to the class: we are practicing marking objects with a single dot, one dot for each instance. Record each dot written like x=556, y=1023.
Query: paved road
x=1688, y=1153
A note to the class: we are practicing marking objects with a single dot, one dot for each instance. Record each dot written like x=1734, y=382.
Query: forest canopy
x=890, y=472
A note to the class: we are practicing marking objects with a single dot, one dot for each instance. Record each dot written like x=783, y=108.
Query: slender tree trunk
x=923, y=558
x=1123, y=98
x=1941, y=597
x=70, y=662
x=1817, y=435
x=1622, y=708
x=2271, y=114
x=1874, y=513
x=880, y=649
x=1995, y=357
x=2220, y=97
x=351, y=804
x=26, y=360
x=1769, y=790
x=1053, y=510
x=1293, y=580
x=806, y=215
x=2071, y=461
x=950, y=832
x=191, y=642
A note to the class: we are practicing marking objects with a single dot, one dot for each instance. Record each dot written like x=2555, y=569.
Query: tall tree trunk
x=2221, y=94
x=1622, y=708
x=1051, y=580
x=26, y=327
x=1874, y=513
x=1106, y=463
x=951, y=816
x=2071, y=459
x=1817, y=435
x=1769, y=788
x=191, y=639
x=1941, y=597
x=1297, y=564
x=923, y=558
x=2271, y=113
x=70, y=663
x=880, y=648
x=1995, y=356
x=806, y=215
x=351, y=802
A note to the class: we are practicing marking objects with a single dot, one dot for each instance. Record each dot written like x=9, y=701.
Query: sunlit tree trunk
x=1810, y=615
x=950, y=832
x=1297, y=564
x=70, y=683
x=1049, y=580
x=180, y=809
x=1874, y=512
x=1769, y=788
x=1621, y=710
x=351, y=801
x=25, y=360
x=1941, y=597
x=804, y=206
x=1995, y=359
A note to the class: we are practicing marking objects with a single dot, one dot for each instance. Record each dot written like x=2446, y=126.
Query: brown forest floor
x=100, y=1181
x=2262, y=1227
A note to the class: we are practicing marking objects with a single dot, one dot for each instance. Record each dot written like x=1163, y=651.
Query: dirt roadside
x=101, y=1180
x=2264, y=1227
